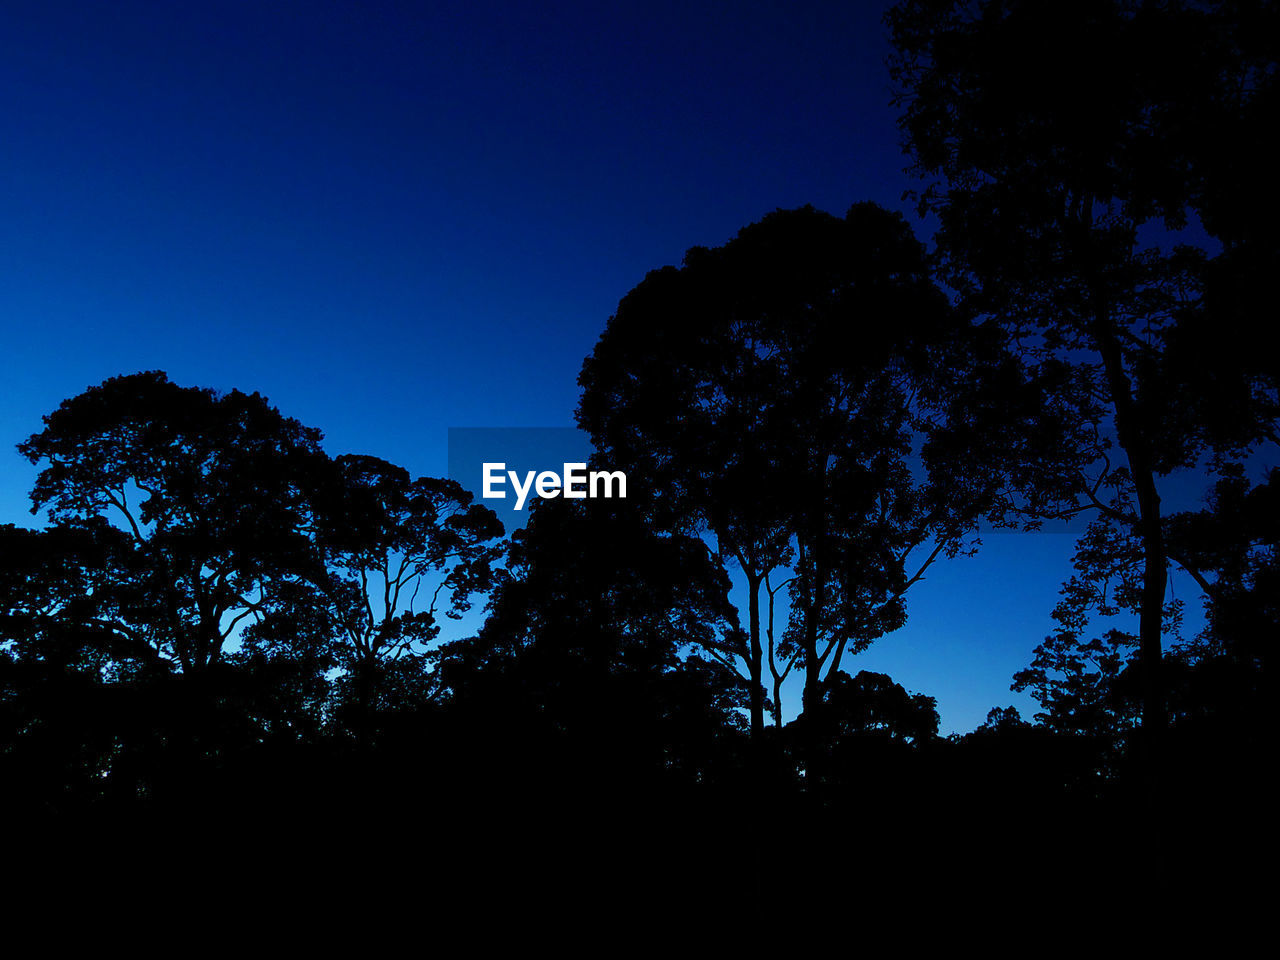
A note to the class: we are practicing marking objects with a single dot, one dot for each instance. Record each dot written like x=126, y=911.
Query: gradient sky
x=393, y=218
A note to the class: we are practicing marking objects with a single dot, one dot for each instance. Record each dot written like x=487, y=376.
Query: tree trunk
x=773, y=666
x=811, y=732
x=815, y=597
x=1155, y=575
x=755, y=663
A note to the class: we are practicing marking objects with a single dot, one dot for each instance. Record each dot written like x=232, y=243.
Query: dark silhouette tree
x=393, y=557
x=1222, y=693
x=773, y=392
x=55, y=730
x=872, y=703
x=865, y=745
x=676, y=393
x=594, y=651
x=92, y=715
x=212, y=492
x=1063, y=183
x=1023, y=773
x=53, y=605
x=1089, y=686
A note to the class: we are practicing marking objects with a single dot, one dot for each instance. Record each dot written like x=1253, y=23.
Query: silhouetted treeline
x=220, y=619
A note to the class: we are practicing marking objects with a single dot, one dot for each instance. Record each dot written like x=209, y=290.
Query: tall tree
x=676, y=393
x=771, y=392
x=212, y=494
x=1062, y=145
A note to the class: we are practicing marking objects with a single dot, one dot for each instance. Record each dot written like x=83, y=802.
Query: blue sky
x=394, y=218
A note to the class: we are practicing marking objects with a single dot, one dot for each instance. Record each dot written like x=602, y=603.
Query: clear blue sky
x=393, y=218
